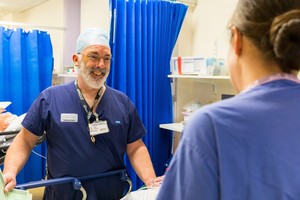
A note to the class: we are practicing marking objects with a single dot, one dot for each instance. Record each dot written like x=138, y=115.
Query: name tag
x=68, y=117
x=98, y=127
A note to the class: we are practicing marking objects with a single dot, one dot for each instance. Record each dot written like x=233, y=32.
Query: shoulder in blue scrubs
x=247, y=147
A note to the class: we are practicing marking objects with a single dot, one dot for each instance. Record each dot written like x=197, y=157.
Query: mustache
x=96, y=69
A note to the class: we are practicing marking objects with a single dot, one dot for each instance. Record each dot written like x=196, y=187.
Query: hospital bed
x=6, y=139
x=143, y=194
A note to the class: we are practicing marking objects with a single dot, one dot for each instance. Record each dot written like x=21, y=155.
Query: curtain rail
x=24, y=25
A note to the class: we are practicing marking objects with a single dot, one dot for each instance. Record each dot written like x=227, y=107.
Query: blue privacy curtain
x=142, y=38
x=26, y=64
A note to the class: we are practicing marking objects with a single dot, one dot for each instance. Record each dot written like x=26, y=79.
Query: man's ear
x=76, y=60
x=237, y=41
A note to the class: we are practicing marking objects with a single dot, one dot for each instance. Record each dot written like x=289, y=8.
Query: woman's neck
x=255, y=67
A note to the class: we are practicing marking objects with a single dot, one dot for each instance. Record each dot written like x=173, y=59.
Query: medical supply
x=189, y=109
x=204, y=66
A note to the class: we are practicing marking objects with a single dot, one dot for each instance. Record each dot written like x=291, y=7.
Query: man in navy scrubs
x=89, y=127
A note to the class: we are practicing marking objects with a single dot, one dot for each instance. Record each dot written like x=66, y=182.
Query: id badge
x=68, y=117
x=98, y=127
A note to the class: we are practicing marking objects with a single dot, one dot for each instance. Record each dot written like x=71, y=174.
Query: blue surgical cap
x=92, y=36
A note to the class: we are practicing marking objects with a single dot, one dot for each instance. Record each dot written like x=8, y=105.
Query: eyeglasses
x=96, y=59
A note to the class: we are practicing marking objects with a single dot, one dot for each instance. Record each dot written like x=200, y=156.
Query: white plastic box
x=198, y=66
x=187, y=65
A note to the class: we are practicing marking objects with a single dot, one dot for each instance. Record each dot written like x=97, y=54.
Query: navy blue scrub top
x=70, y=149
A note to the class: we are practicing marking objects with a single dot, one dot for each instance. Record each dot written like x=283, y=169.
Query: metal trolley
x=76, y=182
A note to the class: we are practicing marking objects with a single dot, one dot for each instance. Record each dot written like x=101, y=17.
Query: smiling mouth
x=98, y=73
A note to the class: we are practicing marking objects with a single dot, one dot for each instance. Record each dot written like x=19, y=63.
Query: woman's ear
x=237, y=41
x=76, y=60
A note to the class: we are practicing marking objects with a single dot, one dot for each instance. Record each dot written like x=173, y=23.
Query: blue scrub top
x=70, y=149
x=245, y=147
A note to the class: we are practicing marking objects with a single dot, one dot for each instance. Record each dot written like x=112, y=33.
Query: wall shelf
x=178, y=127
x=198, y=77
x=67, y=75
x=193, y=87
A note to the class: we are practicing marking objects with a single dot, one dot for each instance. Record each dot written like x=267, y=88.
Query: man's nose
x=101, y=63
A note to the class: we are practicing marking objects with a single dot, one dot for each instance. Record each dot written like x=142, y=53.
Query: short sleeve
x=36, y=116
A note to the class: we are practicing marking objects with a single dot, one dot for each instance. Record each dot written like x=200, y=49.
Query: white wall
x=95, y=13
x=186, y=35
x=205, y=27
x=72, y=21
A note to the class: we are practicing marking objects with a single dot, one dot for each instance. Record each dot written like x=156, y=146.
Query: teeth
x=98, y=73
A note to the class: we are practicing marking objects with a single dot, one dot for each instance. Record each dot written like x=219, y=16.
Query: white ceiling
x=17, y=6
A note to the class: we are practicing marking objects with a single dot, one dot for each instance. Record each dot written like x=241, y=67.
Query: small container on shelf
x=72, y=70
x=201, y=66
x=189, y=109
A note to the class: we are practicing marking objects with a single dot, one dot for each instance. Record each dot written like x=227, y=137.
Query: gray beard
x=87, y=78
